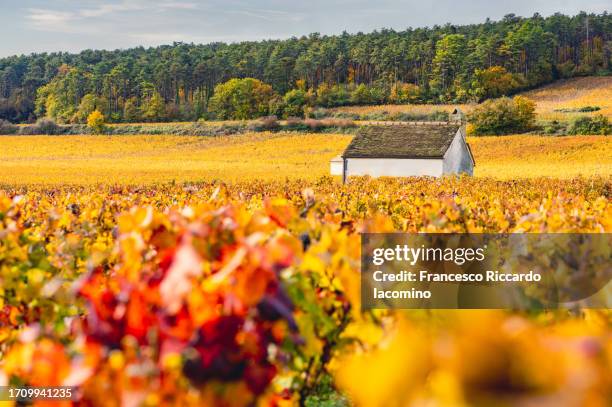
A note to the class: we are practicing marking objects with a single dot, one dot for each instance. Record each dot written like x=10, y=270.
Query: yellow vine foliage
x=87, y=160
x=573, y=94
x=248, y=293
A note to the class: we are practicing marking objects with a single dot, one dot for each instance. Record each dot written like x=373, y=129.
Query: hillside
x=422, y=65
x=562, y=100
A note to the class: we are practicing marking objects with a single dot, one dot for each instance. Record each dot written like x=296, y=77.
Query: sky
x=68, y=25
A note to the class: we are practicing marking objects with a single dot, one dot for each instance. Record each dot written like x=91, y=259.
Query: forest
x=439, y=64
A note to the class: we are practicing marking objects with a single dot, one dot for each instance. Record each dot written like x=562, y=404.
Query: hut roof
x=402, y=141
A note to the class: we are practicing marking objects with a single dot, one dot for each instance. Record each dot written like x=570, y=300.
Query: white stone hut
x=405, y=150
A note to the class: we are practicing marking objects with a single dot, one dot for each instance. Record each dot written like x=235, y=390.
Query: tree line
x=423, y=65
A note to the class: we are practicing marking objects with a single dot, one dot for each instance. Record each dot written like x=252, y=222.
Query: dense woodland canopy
x=439, y=64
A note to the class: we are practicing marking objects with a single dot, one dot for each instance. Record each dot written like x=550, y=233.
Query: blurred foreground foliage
x=248, y=294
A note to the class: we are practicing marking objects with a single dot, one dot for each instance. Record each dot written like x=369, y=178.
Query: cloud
x=136, y=5
x=49, y=19
x=104, y=9
x=80, y=20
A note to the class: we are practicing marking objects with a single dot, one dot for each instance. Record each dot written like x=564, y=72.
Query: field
x=225, y=271
x=57, y=160
x=158, y=159
x=520, y=156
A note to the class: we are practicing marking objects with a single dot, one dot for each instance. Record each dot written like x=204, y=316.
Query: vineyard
x=130, y=271
x=248, y=293
x=171, y=233
x=86, y=160
x=563, y=100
